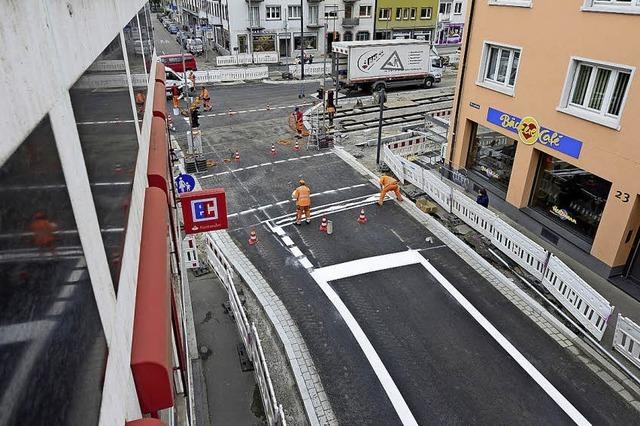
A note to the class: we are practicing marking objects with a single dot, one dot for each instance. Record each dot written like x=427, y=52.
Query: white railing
x=626, y=339
x=581, y=300
x=310, y=69
x=110, y=65
x=245, y=59
x=248, y=333
x=109, y=81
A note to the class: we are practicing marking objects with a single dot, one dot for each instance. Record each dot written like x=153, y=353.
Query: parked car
x=175, y=62
x=195, y=46
x=173, y=29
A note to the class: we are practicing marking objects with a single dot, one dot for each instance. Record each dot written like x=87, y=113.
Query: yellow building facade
x=406, y=19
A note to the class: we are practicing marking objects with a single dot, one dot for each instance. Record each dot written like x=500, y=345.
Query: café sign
x=529, y=132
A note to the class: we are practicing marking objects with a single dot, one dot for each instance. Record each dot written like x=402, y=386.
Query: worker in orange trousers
x=192, y=77
x=43, y=229
x=175, y=95
x=302, y=196
x=204, y=95
x=387, y=183
x=140, y=100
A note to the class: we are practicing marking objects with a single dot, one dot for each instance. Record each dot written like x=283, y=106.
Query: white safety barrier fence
x=583, y=302
x=190, y=252
x=310, y=69
x=245, y=58
x=109, y=65
x=109, y=81
x=273, y=410
x=626, y=339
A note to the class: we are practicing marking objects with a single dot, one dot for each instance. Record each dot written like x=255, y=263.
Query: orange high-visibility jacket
x=42, y=232
x=387, y=180
x=302, y=195
x=204, y=94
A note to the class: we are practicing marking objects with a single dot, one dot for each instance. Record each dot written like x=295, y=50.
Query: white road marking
x=107, y=122
x=377, y=263
x=269, y=164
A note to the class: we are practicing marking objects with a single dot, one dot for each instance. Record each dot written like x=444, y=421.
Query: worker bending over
x=387, y=183
x=204, y=95
x=302, y=195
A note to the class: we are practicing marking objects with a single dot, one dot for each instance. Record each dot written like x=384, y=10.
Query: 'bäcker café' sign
x=530, y=132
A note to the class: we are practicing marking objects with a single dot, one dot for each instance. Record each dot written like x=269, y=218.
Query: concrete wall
x=549, y=34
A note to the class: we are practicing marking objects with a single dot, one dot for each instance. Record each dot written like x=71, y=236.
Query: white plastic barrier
x=411, y=172
x=108, y=65
x=310, y=69
x=248, y=334
x=472, y=213
x=438, y=190
x=626, y=339
x=240, y=59
x=256, y=73
x=529, y=255
x=190, y=252
x=139, y=80
x=102, y=81
x=393, y=161
x=584, y=303
x=265, y=57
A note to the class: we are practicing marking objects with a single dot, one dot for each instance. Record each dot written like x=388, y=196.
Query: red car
x=175, y=62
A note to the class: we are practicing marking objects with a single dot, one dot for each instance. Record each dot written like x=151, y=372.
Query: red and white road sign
x=204, y=211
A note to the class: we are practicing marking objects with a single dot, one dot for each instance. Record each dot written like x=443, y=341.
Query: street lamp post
x=301, y=39
x=382, y=97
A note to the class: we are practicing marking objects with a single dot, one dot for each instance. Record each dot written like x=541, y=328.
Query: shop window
x=499, y=68
x=242, y=43
x=362, y=35
x=52, y=346
x=491, y=156
x=264, y=43
x=570, y=196
x=348, y=36
x=310, y=42
x=596, y=92
x=106, y=126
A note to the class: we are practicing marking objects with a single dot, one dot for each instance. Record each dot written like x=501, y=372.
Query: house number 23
x=622, y=196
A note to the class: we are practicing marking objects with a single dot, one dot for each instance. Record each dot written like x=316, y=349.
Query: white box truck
x=374, y=64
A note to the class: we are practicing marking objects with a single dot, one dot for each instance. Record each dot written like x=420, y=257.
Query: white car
x=175, y=79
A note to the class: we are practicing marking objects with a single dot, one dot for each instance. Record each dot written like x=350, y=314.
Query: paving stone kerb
x=551, y=325
x=314, y=397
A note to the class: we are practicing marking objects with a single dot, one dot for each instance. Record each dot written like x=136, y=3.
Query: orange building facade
x=546, y=103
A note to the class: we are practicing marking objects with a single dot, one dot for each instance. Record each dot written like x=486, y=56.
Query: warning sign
x=393, y=63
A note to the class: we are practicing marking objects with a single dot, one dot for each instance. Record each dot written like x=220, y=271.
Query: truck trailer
x=376, y=64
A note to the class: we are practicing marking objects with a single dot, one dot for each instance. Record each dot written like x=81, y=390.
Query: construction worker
x=140, y=99
x=192, y=77
x=299, y=125
x=302, y=196
x=387, y=183
x=204, y=95
x=175, y=93
x=42, y=229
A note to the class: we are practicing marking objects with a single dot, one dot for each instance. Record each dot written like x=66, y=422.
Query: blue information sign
x=185, y=183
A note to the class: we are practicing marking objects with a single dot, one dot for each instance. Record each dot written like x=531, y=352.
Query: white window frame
x=330, y=8
x=398, y=16
x=516, y=3
x=484, y=62
x=457, y=6
x=429, y=13
x=314, y=18
x=413, y=13
x=291, y=7
x=363, y=32
x=271, y=8
x=614, y=6
x=367, y=11
x=599, y=117
x=388, y=13
x=406, y=11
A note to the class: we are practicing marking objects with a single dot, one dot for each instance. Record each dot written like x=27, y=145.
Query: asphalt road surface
x=414, y=336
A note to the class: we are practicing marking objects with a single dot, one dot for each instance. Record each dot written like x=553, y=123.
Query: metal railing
x=248, y=333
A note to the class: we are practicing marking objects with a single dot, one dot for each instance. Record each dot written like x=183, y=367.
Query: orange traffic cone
x=253, y=239
x=296, y=147
x=237, y=156
x=323, y=225
x=273, y=150
x=362, y=219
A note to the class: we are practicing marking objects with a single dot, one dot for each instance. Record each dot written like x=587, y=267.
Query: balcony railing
x=350, y=22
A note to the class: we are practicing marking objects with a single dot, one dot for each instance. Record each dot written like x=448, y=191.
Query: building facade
x=402, y=19
x=547, y=125
x=451, y=16
x=84, y=241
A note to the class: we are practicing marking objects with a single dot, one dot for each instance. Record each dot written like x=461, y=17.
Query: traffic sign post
x=185, y=183
x=204, y=211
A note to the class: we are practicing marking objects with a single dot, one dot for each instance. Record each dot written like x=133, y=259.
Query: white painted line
x=58, y=308
x=330, y=191
x=296, y=251
x=279, y=161
x=75, y=275
x=242, y=112
x=247, y=211
x=232, y=215
x=265, y=207
x=247, y=168
x=67, y=290
x=305, y=156
x=292, y=159
x=546, y=386
x=264, y=164
x=252, y=110
x=305, y=262
x=366, y=265
x=288, y=241
x=279, y=231
x=279, y=203
x=398, y=402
